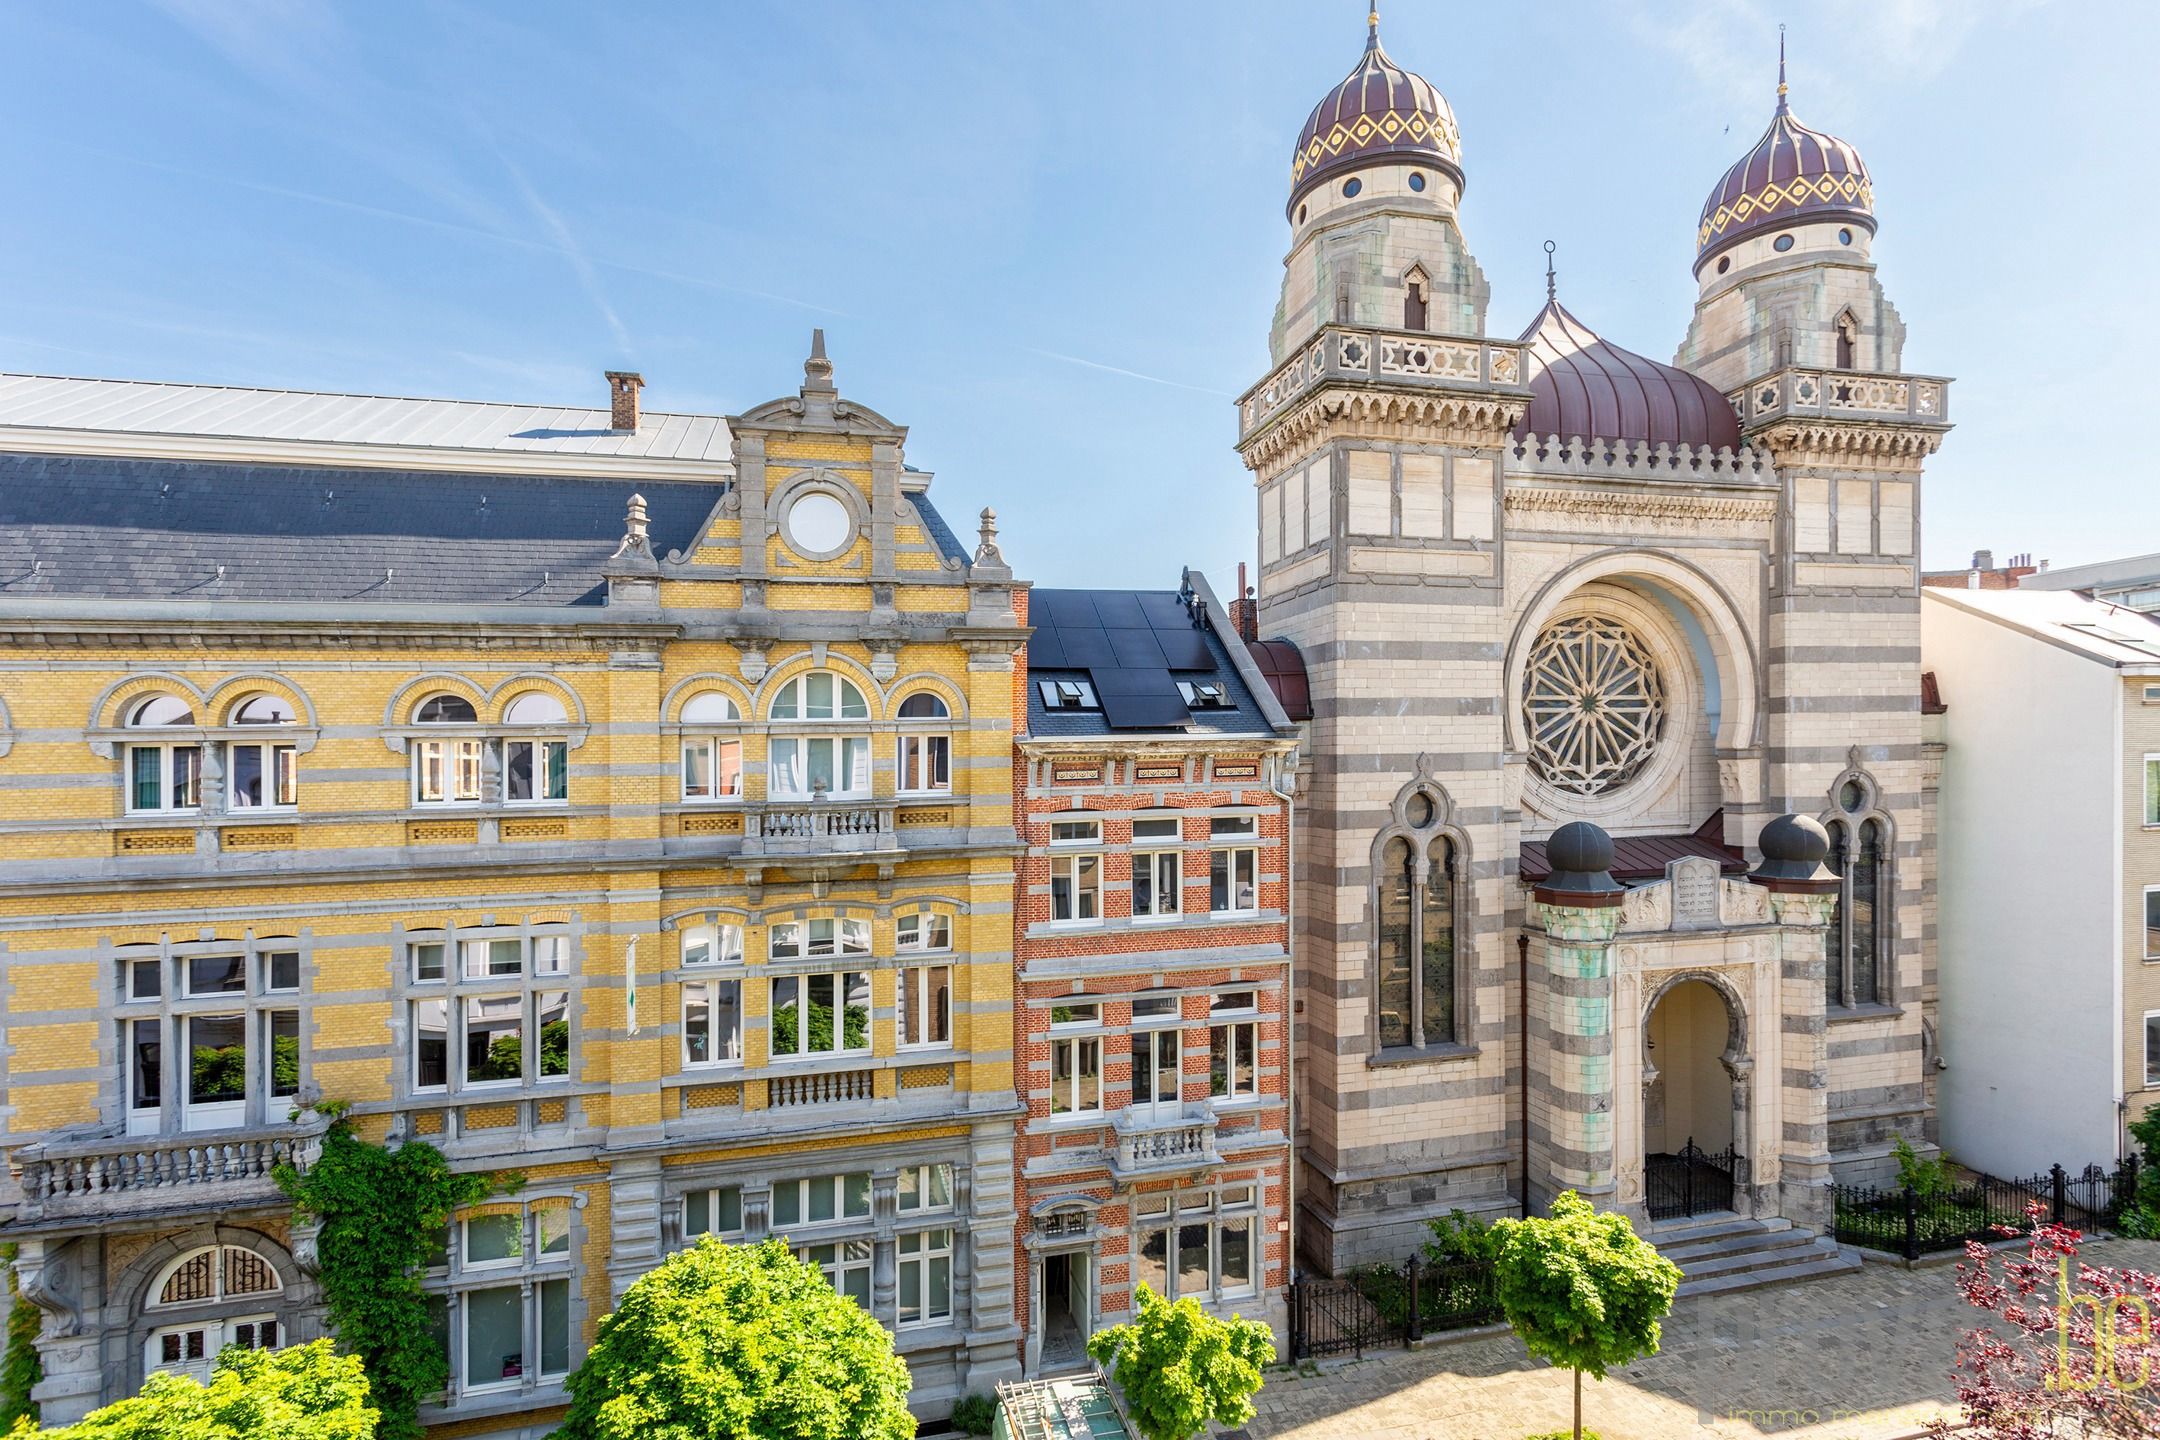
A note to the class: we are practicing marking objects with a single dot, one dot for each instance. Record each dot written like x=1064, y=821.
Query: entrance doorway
x=1690, y=1103
x=1064, y=1310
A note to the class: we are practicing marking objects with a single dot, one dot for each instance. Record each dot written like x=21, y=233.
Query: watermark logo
x=2109, y=1333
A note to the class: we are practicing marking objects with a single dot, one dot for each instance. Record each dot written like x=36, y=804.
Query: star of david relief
x=1594, y=705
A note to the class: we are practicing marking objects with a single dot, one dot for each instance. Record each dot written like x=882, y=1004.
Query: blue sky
x=1048, y=237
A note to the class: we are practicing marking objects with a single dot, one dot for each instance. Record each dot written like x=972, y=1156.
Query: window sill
x=823, y=1057
x=1842, y=1015
x=1078, y=1118
x=702, y=801
x=923, y=794
x=1233, y=914
x=241, y=814
x=1072, y=925
x=1416, y=1055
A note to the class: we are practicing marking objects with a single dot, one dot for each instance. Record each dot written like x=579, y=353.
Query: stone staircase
x=1719, y=1254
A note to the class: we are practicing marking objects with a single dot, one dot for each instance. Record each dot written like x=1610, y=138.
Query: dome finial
x=1372, y=28
x=1549, y=286
x=1782, y=108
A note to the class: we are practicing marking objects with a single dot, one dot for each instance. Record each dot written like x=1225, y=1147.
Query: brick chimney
x=1244, y=610
x=623, y=387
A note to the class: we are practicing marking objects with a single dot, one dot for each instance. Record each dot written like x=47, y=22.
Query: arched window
x=1398, y=891
x=1855, y=948
x=536, y=771
x=1415, y=907
x=163, y=776
x=259, y=774
x=813, y=767
x=225, y=1277
x=711, y=764
x=446, y=772
x=1848, y=341
x=1414, y=298
x=925, y=760
x=1436, y=937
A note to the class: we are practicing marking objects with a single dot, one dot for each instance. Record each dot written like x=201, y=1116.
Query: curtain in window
x=1437, y=974
x=1396, y=884
x=1866, y=952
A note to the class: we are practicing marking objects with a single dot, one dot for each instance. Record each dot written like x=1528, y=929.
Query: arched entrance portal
x=1692, y=1102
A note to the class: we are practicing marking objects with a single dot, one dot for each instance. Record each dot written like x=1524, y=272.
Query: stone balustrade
x=1353, y=353
x=830, y=1087
x=832, y=827
x=1795, y=393
x=122, y=1174
x=1152, y=1143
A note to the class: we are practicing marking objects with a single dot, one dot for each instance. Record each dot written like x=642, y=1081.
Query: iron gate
x=1690, y=1183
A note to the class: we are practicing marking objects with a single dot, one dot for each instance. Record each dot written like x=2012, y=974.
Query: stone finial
x=986, y=547
x=1793, y=847
x=637, y=530
x=1581, y=856
x=817, y=370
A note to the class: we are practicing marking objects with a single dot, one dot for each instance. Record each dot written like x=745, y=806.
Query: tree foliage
x=1461, y=1237
x=307, y=1392
x=1582, y=1289
x=743, y=1341
x=20, y=1366
x=1181, y=1368
x=382, y=1214
x=2069, y=1348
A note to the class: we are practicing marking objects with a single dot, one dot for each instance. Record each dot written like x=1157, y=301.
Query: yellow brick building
x=619, y=799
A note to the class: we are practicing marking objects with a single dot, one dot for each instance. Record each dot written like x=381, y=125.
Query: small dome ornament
x=1792, y=176
x=1793, y=847
x=1380, y=113
x=1581, y=856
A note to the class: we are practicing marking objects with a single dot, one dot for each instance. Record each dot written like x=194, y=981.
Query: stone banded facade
x=635, y=817
x=1428, y=552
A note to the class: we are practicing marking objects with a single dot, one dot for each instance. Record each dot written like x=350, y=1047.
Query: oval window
x=1844, y=237
x=1724, y=263
x=1782, y=244
x=1417, y=181
x=819, y=524
x=1351, y=187
x=1420, y=810
x=1301, y=214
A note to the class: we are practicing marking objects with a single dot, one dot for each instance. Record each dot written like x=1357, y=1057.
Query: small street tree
x=1582, y=1289
x=2070, y=1348
x=1180, y=1367
x=307, y=1392
x=738, y=1340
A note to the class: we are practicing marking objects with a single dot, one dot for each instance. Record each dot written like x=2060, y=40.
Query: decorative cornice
x=1669, y=509
x=1849, y=443
x=1445, y=417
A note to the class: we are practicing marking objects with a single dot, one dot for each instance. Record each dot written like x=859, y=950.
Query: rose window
x=1593, y=704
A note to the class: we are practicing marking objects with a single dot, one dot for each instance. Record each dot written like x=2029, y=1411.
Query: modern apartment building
x=1152, y=929
x=2049, y=898
x=620, y=799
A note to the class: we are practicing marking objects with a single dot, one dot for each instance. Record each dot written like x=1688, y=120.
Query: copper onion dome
x=1584, y=386
x=1793, y=175
x=1379, y=112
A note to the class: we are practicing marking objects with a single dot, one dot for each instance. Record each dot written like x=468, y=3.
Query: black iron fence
x=1381, y=1306
x=1692, y=1182
x=1907, y=1222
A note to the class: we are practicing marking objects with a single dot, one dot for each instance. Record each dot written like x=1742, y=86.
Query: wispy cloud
x=1128, y=374
x=567, y=244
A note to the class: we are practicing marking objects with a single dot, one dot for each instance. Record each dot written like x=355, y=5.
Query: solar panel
x=1185, y=649
x=1086, y=648
x=1064, y=607
x=1146, y=712
x=1119, y=610
x=1136, y=649
x=1163, y=610
x=1045, y=651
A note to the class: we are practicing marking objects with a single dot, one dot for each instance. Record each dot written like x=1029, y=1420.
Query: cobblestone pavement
x=1860, y=1356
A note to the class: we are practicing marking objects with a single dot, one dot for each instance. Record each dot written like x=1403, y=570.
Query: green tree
x=307, y=1392
x=741, y=1341
x=1582, y=1289
x=20, y=1367
x=1180, y=1367
x=382, y=1214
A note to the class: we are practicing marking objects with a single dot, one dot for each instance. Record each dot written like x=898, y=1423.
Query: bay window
x=821, y=1014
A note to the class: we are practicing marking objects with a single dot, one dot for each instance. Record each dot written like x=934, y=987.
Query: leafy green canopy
x=743, y=1341
x=383, y=1213
x=1581, y=1288
x=307, y=1392
x=20, y=1366
x=1180, y=1367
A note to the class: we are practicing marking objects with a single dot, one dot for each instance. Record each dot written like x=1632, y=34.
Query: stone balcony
x=1849, y=395
x=820, y=827
x=115, y=1176
x=1355, y=354
x=1152, y=1143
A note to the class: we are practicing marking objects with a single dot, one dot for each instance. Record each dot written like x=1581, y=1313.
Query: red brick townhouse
x=1152, y=925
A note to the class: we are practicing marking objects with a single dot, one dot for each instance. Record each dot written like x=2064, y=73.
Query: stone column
x=1801, y=894
x=1573, y=1076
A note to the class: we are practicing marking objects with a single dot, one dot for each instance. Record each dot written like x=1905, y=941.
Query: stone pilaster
x=1571, y=1103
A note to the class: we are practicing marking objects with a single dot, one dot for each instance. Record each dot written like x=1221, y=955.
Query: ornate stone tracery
x=1593, y=705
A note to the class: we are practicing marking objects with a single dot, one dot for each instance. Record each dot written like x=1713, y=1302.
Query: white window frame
x=847, y=1189
x=169, y=777
x=1080, y=873
x=1234, y=1208
x=711, y=943
x=2151, y=920
x=926, y=932
x=922, y=1182
x=850, y=765
x=539, y=983
x=723, y=1050
x=718, y=767
x=2152, y=1056
x=792, y=702
x=1074, y=1040
x=155, y=991
x=1166, y=884
x=2152, y=792
x=1235, y=859
x=542, y=748
x=1151, y=1037
x=848, y=1268
x=714, y=1203
x=917, y=1254
x=443, y=767
x=277, y=768
x=798, y=939
x=919, y=1013
x=802, y=981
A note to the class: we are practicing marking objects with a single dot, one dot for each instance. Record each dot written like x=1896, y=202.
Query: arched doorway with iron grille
x=1692, y=1101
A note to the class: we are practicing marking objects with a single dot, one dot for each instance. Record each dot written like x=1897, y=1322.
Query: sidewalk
x=1864, y=1356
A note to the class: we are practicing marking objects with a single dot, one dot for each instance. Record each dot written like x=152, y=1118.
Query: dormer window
x=163, y=777
x=1205, y=694
x=1067, y=695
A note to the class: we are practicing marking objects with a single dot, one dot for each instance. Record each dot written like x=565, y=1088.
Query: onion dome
x=1793, y=847
x=1584, y=386
x=1380, y=112
x=1582, y=856
x=1793, y=175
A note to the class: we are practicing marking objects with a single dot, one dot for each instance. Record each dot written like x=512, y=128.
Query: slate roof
x=98, y=527
x=1128, y=620
x=156, y=408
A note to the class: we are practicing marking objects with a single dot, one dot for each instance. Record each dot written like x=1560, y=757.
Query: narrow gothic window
x=1847, y=342
x=1437, y=922
x=1853, y=948
x=1342, y=304
x=1398, y=884
x=1834, y=938
x=1413, y=317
